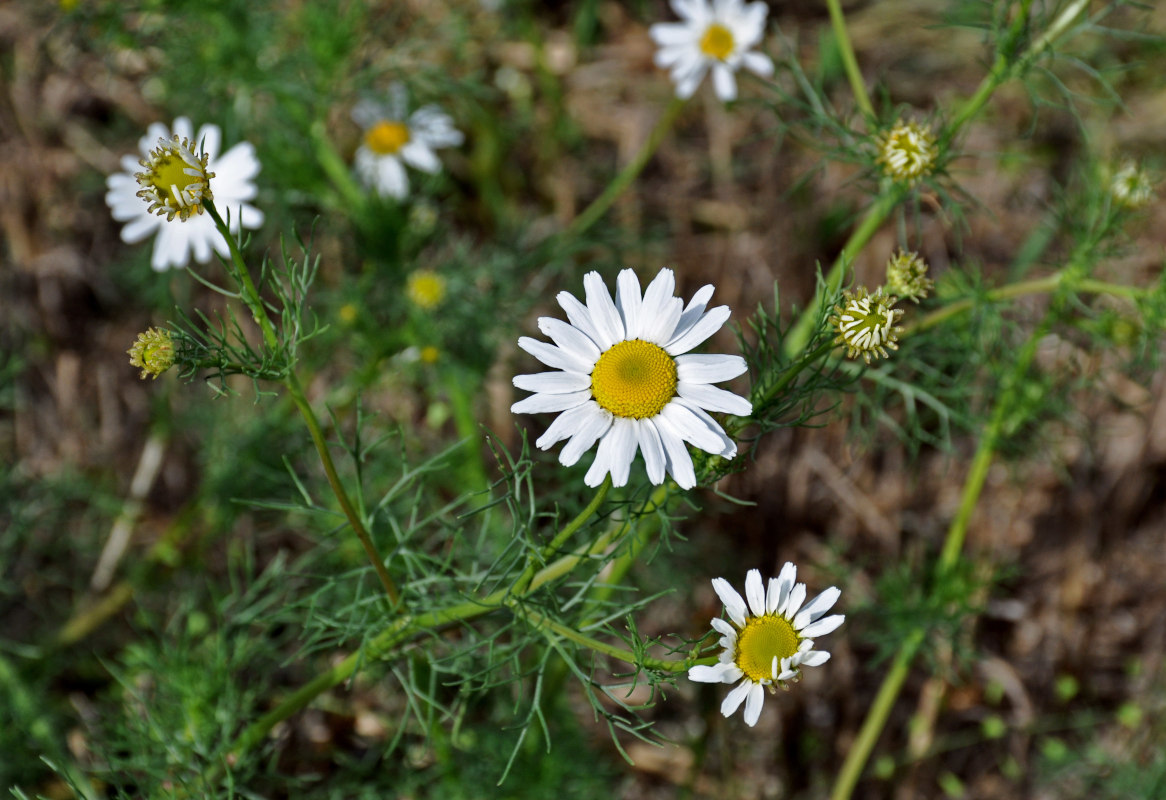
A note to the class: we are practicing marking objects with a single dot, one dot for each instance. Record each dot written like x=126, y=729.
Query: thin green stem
x=849, y=62
x=620, y=182
x=623, y=654
x=567, y=531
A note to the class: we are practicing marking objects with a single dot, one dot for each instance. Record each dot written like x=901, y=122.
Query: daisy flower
x=392, y=139
x=907, y=152
x=172, y=186
x=866, y=323
x=719, y=37
x=622, y=378
x=766, y=642
x=1131, y=186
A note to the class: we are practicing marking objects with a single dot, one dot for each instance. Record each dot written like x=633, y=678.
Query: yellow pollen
x=634, y=379
x=763, y=639
x=387, y=138
x=717, y=42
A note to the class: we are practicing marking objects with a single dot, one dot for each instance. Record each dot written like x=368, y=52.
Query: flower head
x=1131, y=186
x=622, y=378
x=719, y=37
x=907, y=277
x=907, y=152
x=393, y=138
x=153, y=352
x=425, y=289
x=767, y=642
x=866, y=323
x=162, y=192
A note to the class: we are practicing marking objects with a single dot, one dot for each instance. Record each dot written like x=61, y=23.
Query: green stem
x=564, y=534
x=620, y=653
x=849, y=62
x=251, y=297
x=599, y=206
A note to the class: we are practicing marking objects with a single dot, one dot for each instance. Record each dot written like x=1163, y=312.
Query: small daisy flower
x=767, y=642
x=153, y=352
x=622, y=378
x=907, y=277
x=907, y=152
x=866, y=323
x=1131, y=186
x=425, y=289
x=393, y=138
x=162, y=193
x=719, y=37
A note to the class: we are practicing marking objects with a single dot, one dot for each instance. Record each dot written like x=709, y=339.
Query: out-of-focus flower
x=719, y=37
x=907, y=277
x=425, y=289
x=907, y=152
x=1131, y=186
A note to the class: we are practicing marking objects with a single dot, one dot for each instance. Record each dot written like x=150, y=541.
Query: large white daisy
x=393, y=138
x=719, y=37
x=231, y=186
x=770, y=645
x=623, y=379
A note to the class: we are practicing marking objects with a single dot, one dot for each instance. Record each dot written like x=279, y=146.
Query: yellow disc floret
x=634, y=379
x=387, y=138
x=175, y=181
x=153, y=352
x=425, y=289
x=907, y=152
x=762, y=640
x=717, y=42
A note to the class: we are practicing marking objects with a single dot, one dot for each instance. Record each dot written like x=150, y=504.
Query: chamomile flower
x=161, y=192
x=907, y=276
x=394, y=138
x=719, y=38
x=767, y=642
x=153, y=352
x=907, y=152
x=866, y=323
x=425, y=289
x=1131, y=186
x=623, y=379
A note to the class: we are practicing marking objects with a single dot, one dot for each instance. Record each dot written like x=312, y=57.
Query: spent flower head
x=866, y=323
x=719, y=37
x=907, y=152
x=164, y=190
x=393, y=138
x=425, y=289
x=907, y=277
x=765, y=643
x=623, y=379
x=153, y=352
x=1131, y=186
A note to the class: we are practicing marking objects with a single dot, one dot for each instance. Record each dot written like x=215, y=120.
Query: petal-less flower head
x=1131, y=186
x=720, y=38
x=425, y=289
x=623, y=379
x=907, y=152
x=153, y=352
x=866, y=323
x=767, y=642
x=907, y=277
x=393, y=138
x=180, y=171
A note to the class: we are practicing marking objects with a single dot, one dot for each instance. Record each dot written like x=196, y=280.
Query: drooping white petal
x=734, y=605
x=679, y=461
x=595, y=424
x=753, y=704
x=823, y=626
x=564, y=426
x=652, y=449
x=690, y=428
x=735, y=697
x=724, y=628
x=757, y=63
x=616, y=451
x=815, y=658
x=418, y=155
x=724, y=83
x=816, y=607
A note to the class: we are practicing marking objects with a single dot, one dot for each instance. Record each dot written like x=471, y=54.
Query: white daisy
x=392, y=140
x=769, y=645
x=231, y=182
x=720, y=37
x=623, y=380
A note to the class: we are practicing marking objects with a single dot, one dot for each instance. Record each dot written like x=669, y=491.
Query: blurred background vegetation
x=1048, y=682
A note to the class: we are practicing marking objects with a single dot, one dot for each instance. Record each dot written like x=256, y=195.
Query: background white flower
x=623, y=379
x=231, y=187
x=392, y=139
x=719, y=37
x=770, y=645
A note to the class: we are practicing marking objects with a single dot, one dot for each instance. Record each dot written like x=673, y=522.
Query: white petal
x=604, y=315
x=616, y=451
x=725, y=85
x=662, y=311
x=793, y=603
x=183, y=128
x=554, y=356
x=823, y=626
x=724, y=628
x=709, y=368
x=652, y=450
x=239, y=165
x=419, y=156
x=629, y=301
x=711, y=398
x=209, y=138
x=755, y=592
x=717, y=673
x=595, y=424
x=785, y=583
x=753, y=703
x=542, y=403
x=670, y=34
x=138, y=229
x=579, y=317
x=679, y=461
x=816, y=607
x=757, y=63
x=553, y=382
x=815, y=658
x=688, y=79
x=690, y=428
x=564, y=426
x=709, y=324
x=572, y=339
x=734, y=605
x=734, y=698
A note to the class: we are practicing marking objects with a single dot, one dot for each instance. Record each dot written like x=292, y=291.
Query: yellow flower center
x=717, y=42
x=425, y=289
x=634, y=379
x=175, y=181
x=387, y=138
x=763, y=639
